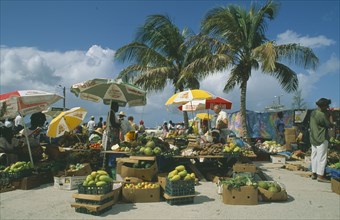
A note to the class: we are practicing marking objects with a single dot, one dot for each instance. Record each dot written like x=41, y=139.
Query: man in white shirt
x=91, y=125
x=221, y=122
x=18, y=123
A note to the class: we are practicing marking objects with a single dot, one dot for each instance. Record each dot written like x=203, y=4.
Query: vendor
x=221, y=123
x=96, y=136
x=8, y=144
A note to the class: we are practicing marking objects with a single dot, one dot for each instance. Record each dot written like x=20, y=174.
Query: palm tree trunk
x=243, y=110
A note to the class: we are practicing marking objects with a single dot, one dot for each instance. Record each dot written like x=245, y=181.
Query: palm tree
x=160, y=55
x=298, y=101
x=239, y=39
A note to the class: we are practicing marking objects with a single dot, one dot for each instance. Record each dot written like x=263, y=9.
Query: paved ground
x=308, y=199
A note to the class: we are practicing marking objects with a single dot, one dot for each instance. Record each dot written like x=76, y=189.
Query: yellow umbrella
x=66, y=121
x=188, y=96
x=204, y=116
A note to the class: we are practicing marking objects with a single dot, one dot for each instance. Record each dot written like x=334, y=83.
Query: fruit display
x=18, y=166
x=180, y=173
x=142, y=185
x=206, y=149
x=97, y=178
x=146, y=146
x=238, y=181
x=231, y=148
x=76, y=167
x=270, y=147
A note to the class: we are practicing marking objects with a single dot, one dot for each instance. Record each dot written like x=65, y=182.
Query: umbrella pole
x=28, y=144
x=107, y=135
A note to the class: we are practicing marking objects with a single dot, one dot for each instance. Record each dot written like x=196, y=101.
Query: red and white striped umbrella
x=25, y=102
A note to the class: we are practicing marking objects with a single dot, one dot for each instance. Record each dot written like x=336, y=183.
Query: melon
x=150, y=144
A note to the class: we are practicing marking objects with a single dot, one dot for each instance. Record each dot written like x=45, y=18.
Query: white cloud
x=308, y=81
x=307, y=41
x=31, y=68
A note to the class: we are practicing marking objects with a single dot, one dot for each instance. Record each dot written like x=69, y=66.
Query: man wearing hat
x=320, y=121
x=125, y=126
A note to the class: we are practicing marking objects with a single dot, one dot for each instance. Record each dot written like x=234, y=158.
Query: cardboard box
x=132, y=180
x=335, y=183
x=290, y=131
x=86, y=170
x=141, y=195
x=146, y=174
x=268, y=196
x=244, y=167
x=290, y=138
x=68, y=182
x=162, y=179
x=278, y=159
x=246, y=195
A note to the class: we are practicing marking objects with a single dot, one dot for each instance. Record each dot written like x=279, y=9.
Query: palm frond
x=287, y=77
x=266, y=55
x=297, y=54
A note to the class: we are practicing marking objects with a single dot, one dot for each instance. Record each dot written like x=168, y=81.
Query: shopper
x=91, y=125
x=280, y=129
x=100, y=123
x=320, y=121
x=125, y=126
x=141, y=128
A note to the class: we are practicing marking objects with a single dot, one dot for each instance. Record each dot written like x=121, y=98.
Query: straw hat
x=122, y=114
x=99, y=131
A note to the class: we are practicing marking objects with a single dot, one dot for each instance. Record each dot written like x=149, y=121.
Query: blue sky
x=50, y=43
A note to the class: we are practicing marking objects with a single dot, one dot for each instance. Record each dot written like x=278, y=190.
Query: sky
x=48, y=45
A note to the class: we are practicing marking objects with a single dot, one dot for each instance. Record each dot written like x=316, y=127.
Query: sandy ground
x=308, y=199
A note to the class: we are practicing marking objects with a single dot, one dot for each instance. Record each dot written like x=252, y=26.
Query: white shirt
x=221, y=116
x=90, y=125
x=18, y=121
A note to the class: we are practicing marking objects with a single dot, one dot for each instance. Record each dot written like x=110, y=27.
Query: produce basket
x=84, y=210
x=180, y=187
x=181, y=201
x=20, y=174
x=180, y=184
x=4, y=175
x=93, y=202
x=95, y=190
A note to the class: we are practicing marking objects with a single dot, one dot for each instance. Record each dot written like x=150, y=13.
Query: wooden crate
x=93, y=204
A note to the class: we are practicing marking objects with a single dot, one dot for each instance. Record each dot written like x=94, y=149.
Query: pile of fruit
x=142, y=185
x=231, y=148
x=97, y=178
x=142, y=164
x=146, y=146
x=18, y=166
x=273, y=187
x=270, y=147
x=180, y=173
x=96, y=146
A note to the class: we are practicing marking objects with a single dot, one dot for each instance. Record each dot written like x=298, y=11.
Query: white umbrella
x=25, y=102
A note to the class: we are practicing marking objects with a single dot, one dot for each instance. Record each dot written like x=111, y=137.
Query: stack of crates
x=179, y=192
x=94, y=200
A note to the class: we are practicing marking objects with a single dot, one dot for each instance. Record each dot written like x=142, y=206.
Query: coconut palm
x=239, y=39
x=160, y=55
